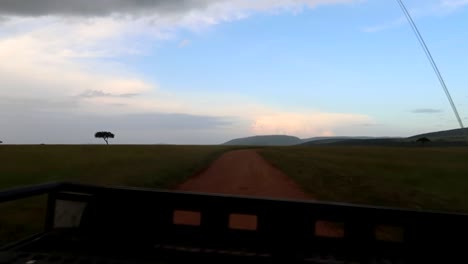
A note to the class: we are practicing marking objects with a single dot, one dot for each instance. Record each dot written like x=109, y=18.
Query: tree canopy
x=104, y=135
x=423, y=140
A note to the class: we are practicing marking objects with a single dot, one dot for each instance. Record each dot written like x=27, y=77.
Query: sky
x=205, y=71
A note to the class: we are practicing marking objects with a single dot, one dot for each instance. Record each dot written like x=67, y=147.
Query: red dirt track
x=244, y=172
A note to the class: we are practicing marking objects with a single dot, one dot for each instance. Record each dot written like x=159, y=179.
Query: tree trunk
x=107, y=142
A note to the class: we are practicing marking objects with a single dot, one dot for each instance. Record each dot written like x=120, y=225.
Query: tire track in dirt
x=244, y=172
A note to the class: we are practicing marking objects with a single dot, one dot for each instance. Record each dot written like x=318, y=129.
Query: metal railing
x=135, y=219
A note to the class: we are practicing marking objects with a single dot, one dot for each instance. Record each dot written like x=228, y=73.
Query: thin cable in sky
x=431, y=60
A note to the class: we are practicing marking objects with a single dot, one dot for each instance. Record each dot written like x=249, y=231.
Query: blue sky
x=208, y=71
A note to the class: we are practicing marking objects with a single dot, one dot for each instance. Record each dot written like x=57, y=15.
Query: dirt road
x=244, y=172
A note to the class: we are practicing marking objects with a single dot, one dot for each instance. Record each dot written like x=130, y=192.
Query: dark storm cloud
x=96, y=7
x=426, y=111
x=96, y=93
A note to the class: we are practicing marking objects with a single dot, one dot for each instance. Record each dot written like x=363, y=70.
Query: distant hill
x=334, y=138
x=354, y=141
x=454, y=137
x=326, y=140
x=270, y=140
x=284, y=140
x=446, y=135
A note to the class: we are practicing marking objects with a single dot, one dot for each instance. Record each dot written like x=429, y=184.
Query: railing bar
x=27, y=191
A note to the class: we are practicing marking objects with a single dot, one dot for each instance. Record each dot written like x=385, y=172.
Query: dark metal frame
x=136, y=219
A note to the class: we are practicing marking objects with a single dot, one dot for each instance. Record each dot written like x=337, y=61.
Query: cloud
x=97, y=93
x=426, y=111
x=169, y=121
x=369, y=124
x=45, y=52
x=304, y=124
x=387, y=25
x=184, y=43
x=454, y=4
x=434, y=8
x=96, y=8
x=32, y=127
x=156, y=18
x=104, y=8
x=54, y=78
x=12, y=104
x=36, y=62
x=29, y=126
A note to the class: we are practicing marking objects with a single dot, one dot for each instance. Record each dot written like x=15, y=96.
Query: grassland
x=416, y=177
x=427, y=178
x=159, y=166
x=138, y=166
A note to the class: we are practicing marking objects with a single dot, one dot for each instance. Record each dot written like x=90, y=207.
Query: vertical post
x=50, y=211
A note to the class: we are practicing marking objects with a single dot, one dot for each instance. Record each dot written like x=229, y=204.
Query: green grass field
x=139, y=166
x=159, y=166
x=427, y=178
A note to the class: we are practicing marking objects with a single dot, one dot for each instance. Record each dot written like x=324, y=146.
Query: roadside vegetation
x=418, y=178
x=158, y=166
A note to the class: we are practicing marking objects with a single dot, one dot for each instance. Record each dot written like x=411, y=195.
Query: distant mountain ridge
x=284, y=140
x=356, y=141
x=329, y=140
x=449, y=135
x=446, y=137
x=268, y=140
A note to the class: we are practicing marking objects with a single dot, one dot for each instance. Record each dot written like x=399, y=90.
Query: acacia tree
x=423, y=140
x=104, y=135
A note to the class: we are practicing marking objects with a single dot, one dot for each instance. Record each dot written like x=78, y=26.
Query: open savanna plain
x=415, y=177
x=158, y=166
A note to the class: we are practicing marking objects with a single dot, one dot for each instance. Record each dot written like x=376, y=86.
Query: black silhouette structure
x=91, y=224
x=104, y=135
x=423, y=140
